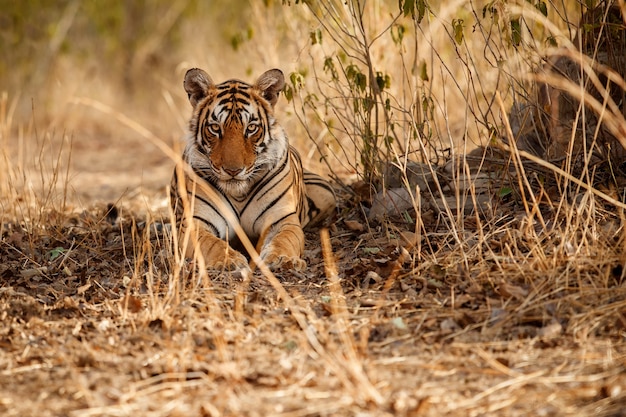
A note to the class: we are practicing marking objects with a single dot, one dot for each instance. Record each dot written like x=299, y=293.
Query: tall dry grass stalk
x=35, y=169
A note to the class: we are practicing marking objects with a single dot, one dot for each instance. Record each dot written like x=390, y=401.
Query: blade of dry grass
x=354, y=364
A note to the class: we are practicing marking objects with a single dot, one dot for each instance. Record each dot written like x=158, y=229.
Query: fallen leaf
x=371, y=251
x=408, y=239
x=81, y=290
x=372, y=276
x=354, y=225
x=550, y=331
x=32, y=272
x=509, y=290
x=132, y=303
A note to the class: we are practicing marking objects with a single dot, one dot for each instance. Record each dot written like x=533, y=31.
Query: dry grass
x=108, y=329
x=500, y=299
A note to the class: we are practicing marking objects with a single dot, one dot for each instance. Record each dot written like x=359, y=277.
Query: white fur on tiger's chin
x=235, y=188
x=240, y=185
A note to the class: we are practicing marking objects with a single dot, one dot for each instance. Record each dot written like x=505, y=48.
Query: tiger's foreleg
x=197, y=237
x=216, y=252
x=282, y=244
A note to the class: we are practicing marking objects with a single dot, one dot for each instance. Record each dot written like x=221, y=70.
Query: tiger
x=236, y=148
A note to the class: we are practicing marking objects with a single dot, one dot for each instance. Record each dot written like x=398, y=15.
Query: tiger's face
x=235, y=138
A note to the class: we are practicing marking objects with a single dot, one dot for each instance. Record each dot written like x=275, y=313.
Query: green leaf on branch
x=407, y=7
x=423, y=71
x=457, y=26
x=356, y=78
x=383, y=80
x=397, y=34
x=421, y=10
x=543, y=9
x=316, y=37
x=297, y=80
x=415, y=8
x=516, y=32
x=329, y=67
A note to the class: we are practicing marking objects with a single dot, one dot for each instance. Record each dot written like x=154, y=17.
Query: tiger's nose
x=233, y=171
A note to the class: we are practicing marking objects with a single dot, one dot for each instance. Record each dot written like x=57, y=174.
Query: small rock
x=449, y=325
x=393, y=202
x=416, y=173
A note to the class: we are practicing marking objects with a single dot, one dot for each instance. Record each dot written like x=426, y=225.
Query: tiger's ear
x=197, y=84
x=270, y=84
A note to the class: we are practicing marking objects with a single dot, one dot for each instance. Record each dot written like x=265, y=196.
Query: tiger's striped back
x=238, y=151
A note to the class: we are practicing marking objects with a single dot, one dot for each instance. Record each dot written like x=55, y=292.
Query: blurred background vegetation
x=123, y=53
x=63, y=61
x=368, y=81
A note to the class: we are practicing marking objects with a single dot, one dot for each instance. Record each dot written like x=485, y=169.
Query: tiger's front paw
x=232, y=261
x=217, y=254
x=282, y=246
x=276, y=261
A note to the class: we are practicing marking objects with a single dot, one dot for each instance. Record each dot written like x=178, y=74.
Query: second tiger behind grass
x=236, y=148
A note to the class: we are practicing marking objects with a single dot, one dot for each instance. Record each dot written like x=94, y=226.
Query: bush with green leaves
x=388, y=82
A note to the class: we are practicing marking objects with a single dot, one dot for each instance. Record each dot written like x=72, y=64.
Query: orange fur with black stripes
x=236, y=148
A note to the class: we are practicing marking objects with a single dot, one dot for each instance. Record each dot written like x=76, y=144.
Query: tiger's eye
x=252, y=129
x=212, y=129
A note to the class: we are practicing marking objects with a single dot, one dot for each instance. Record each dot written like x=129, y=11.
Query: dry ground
x=97, y=320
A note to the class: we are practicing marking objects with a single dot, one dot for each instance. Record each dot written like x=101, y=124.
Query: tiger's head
x=234, y=136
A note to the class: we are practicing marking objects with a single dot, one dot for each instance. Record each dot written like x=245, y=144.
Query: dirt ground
x=97, y=320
